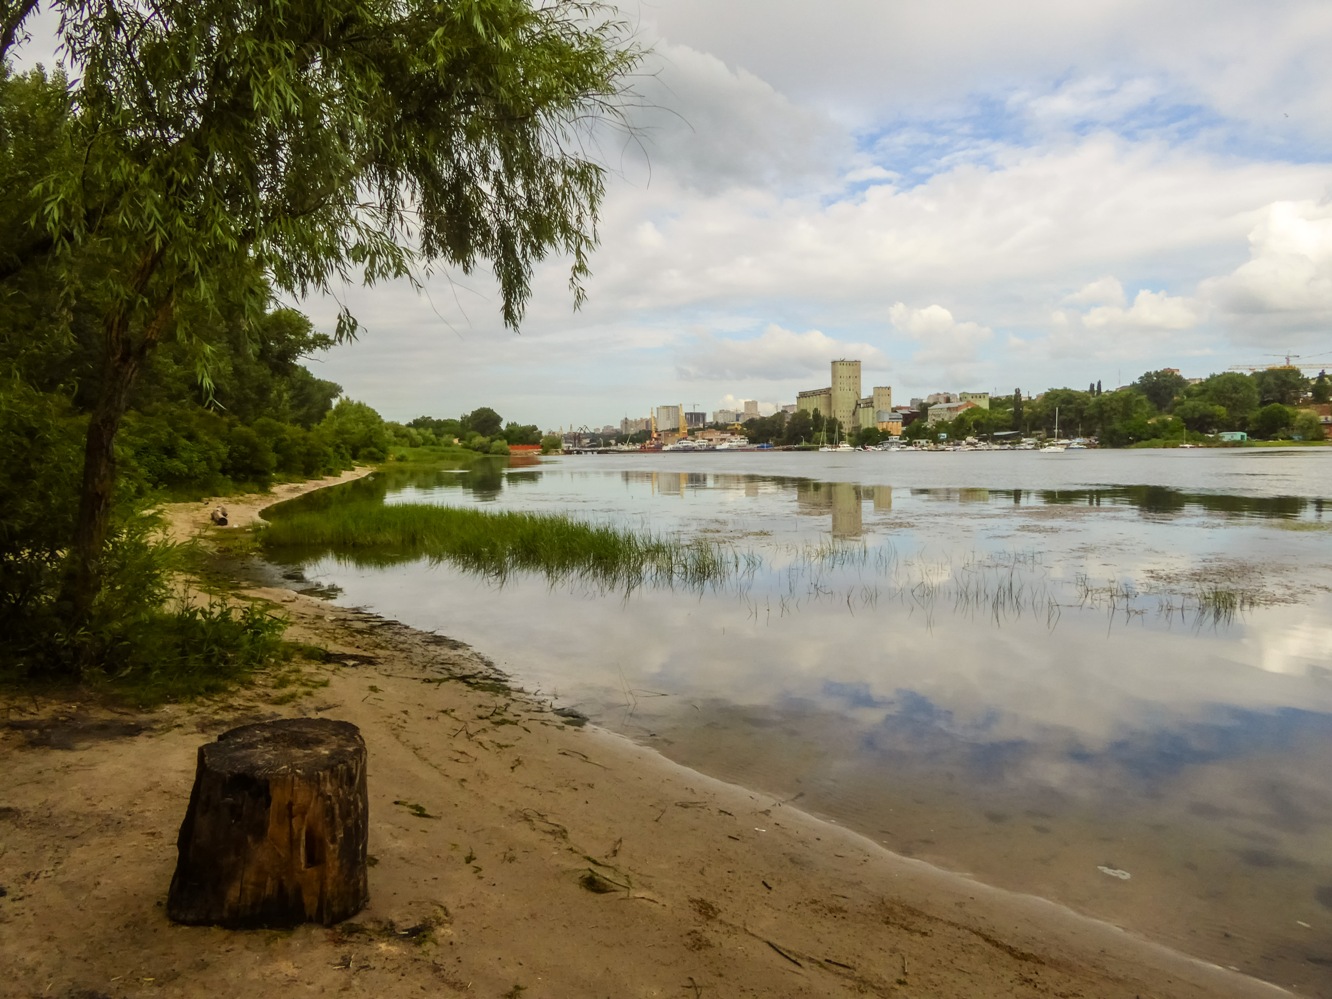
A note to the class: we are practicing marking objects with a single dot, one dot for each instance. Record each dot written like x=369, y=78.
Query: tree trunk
x=276, y=829
x=97, y=491
x=121, y=364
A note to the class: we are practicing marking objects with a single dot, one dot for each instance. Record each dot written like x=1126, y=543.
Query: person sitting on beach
x=219, y=516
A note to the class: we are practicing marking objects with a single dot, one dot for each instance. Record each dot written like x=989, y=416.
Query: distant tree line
x=1160, y=406
x=482, y=430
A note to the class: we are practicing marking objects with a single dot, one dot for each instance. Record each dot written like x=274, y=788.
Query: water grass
x=357, y=527
x=496, y=545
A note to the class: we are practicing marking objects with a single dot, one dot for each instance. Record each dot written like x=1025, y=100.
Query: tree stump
x=276, y=829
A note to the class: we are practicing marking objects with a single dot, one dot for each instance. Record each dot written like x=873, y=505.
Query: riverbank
x=517, y=852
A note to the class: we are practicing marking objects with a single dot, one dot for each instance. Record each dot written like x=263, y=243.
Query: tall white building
x=670, y=419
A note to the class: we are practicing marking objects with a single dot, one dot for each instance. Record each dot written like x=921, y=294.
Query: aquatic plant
x=495, y=545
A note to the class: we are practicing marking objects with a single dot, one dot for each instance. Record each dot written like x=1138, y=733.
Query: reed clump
x=495, y=545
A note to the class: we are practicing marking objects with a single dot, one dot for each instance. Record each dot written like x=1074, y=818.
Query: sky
x=963, y=195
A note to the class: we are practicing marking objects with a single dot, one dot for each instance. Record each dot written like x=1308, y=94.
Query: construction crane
x=1289, y=362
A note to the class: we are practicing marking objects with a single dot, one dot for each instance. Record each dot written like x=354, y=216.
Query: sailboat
x=1056, y=444
x=838, y=444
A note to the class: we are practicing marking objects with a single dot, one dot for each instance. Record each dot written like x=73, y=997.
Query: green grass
x=1302, y=525
x=169, y=653
x=496, y=545
x=433, y=456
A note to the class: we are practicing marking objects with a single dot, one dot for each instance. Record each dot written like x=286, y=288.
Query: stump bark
x=276, y=829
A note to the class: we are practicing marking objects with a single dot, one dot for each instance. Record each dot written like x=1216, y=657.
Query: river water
x=1104, y=678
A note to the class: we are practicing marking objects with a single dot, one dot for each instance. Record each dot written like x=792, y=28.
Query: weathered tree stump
x=275, y=833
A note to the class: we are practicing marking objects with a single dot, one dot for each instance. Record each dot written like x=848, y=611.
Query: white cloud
x=948, y=349
x=714, y=127
x=778, y=354
x=1099, y=98
x=1151, y=310
x=1055, y=181
x=1289, y=270
x=1255, y=62
x=1102, y=291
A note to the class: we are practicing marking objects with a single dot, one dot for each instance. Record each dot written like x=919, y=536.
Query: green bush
x=250, y=458
x=356, y=431
x=1308, y=427
x=42, y=446
x=175, y=447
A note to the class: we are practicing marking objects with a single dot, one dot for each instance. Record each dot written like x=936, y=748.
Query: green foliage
x=1074, y=412
x=250, y=458
x=919, y=429
x=551, y=444
x=1236, y=393
x=1272, y=421
x=496, y=545
x=483, y=430
x=175, y=447
x=766, y=429
x=981, y=422
x=445, y=431
x=147, y=648
x=207, y=151
x=190, y=651
x=356, y=431
x=134, y=638
x=1161, y=387
x=40, y=441
x=298, y=452
x=1121, y=418
x=799, y=428
x=1202, y=417
x=483, y=421
x=1286, y=386
x=525, y=433
x=1321, y=390
x=210, y=133
x=1307, y=426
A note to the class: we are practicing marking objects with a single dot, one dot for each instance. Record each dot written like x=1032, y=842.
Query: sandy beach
x=516, y=852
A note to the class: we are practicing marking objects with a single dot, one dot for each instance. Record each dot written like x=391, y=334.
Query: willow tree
x=216, y=147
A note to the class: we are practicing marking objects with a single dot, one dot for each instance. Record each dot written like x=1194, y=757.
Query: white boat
x=1058, y=445
x=840, y=444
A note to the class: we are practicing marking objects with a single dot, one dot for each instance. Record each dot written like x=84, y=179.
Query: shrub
x=250, y=458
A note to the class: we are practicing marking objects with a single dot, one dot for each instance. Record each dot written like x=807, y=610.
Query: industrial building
x=842, y=400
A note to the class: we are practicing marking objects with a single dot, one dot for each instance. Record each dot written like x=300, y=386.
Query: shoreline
x=516, y=851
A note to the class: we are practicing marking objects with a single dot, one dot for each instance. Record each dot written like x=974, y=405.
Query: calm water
x=1100, y=677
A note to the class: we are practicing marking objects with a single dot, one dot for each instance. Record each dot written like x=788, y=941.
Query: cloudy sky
x=962, y=194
